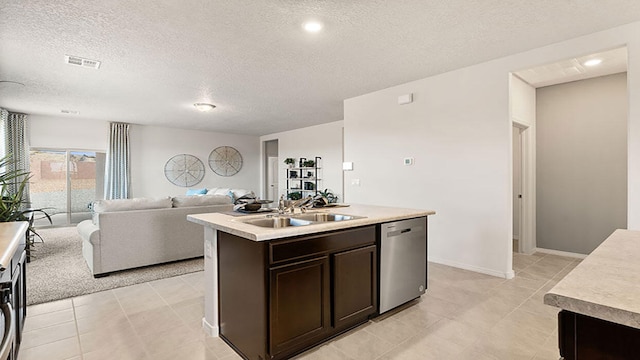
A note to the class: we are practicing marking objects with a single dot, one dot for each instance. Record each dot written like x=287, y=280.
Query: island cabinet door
x=299, y=305
x=354, y=292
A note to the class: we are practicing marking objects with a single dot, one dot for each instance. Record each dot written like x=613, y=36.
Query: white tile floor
x=464, y=315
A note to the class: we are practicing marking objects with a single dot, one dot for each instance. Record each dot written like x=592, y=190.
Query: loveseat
x=130, y=233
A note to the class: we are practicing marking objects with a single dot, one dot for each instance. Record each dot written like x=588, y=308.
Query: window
x=64, y=183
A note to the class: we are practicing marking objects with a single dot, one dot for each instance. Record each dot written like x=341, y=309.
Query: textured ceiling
x=613, y=61
x=251, y=57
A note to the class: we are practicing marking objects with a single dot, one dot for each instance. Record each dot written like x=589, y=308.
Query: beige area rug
x=58, y=271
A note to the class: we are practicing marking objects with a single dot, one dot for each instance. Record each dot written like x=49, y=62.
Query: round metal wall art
x=184, y=170
x=225, y=161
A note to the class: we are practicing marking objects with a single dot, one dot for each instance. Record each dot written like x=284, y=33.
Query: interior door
x=272, y=177
x=517, y=188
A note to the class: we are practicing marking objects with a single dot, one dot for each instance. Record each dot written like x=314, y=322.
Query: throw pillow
x=196, y=191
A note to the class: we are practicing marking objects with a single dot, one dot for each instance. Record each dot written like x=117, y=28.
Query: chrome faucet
x=281, y=207
x=302, y=204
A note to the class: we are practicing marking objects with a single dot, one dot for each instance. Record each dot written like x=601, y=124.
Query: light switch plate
x=347, y=166
x=408, y=161
x=405, y=99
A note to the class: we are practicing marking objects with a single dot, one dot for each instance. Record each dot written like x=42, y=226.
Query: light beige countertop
x=11, y=233
x=605, y=285
x=372, y=215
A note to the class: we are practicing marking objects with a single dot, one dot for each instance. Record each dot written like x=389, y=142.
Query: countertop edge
x=235, y=226
x=599, y=311
x=605, y=284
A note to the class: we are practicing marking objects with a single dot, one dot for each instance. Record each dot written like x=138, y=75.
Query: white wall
x=68, y=133
x=459, y=130
x=582, y=163
x=151, y=147
x=321, y=140
x=523, y=115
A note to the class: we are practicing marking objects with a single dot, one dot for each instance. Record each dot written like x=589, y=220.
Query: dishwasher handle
x=393, y=232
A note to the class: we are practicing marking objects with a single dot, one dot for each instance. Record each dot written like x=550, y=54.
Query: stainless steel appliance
x=403, y=262
x=7, y=323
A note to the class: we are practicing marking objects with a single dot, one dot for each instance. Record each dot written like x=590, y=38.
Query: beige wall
x=321, y=140
x=459, y=131
x=581, y=163
x=151, y=147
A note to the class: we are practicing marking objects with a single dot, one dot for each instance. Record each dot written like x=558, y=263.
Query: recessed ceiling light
x=204, y=106
x=592, y=62
x=312, y=26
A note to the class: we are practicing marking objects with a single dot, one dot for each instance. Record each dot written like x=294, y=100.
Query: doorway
x=526, y=115
x=517, y=187
x=270, y=164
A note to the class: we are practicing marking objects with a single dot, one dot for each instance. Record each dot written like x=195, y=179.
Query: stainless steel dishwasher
x=403, y=262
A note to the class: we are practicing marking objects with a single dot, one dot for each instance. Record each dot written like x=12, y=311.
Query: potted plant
x=12, y=205
x=295, y=195
x=309, y=163
x=290, y=162
x=329, y=195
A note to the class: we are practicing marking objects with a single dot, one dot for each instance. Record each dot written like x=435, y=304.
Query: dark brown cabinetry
x=354, y=284
x=299, y=304
x=13, y=292
x=281, y=297
x=584, y=337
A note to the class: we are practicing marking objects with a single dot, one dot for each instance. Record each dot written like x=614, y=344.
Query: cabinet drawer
x=294, y=249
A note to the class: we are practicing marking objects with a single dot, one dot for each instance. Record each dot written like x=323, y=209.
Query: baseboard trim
x=505, y=275
x=211, y=330
x=561, y=253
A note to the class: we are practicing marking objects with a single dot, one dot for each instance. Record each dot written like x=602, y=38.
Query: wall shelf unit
x=304, y=179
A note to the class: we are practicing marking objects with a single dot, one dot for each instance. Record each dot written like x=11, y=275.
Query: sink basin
x=325, y=217
x=278, y=222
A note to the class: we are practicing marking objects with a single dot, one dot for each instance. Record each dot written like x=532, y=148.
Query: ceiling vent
x=78, y=61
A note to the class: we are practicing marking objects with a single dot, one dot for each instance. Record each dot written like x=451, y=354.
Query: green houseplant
x=13, y=184
x=290, y=161
x=295, y=195
x=329, y=195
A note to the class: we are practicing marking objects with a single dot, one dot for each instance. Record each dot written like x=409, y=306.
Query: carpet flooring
x=58, y=271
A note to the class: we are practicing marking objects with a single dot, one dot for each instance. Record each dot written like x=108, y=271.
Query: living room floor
x=464, y=315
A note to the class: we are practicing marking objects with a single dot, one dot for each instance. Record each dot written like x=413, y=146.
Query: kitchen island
x=273, y=292
x=600, y=302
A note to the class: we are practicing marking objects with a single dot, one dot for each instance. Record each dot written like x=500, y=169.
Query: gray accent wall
x=581, y=146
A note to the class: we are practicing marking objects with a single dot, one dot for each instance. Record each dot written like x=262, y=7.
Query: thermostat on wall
x=405, y=99
x=408, y=161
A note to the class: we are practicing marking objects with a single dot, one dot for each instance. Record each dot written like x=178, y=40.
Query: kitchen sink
x=281, y=221
x=325, y=217
x=278, y=222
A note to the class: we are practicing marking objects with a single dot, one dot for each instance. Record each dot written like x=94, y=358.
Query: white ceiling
x=251, y=57
x=613, y=61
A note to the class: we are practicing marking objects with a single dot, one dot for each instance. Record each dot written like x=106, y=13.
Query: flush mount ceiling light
x=204, y=106
x=593, y=62
x=312, y=26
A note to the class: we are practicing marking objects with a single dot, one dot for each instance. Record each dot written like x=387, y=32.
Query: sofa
x=129, y=233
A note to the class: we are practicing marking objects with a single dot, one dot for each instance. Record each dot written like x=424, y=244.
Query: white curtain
x=117, y=174
x=15, y=142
